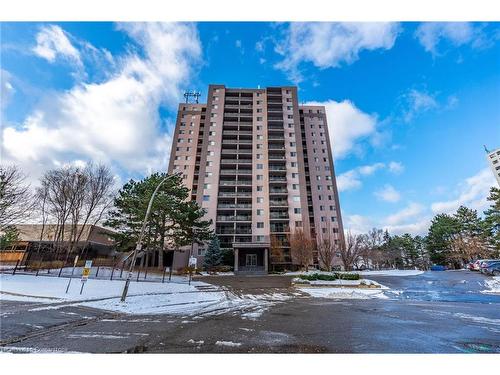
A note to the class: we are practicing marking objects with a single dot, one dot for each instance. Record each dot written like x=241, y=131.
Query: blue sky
x=409, y=105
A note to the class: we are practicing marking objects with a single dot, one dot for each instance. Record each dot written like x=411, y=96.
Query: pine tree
x=213, y=255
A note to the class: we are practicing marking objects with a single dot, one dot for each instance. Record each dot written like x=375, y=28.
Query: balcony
x=228, y=194
x=278, y=191
x=277, y=179
x=278, y=203
x=234, y=206
x=235, y=183
x=278, y=216
x=275, y=138
x=234, y=218
x=277, y=168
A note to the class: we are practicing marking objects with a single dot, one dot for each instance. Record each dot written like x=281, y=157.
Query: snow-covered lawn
x=143, y=297
x=493, y=285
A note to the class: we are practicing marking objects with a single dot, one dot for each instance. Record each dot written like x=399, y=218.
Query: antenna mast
x=192, y=96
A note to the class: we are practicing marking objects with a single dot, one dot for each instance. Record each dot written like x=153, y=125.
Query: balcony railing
x=224, y=194
x=277, y=179
x=233, y=205
x=277, y=216
x=234, y=218
x=277, y=169
x=278, y=191
x=235, y=183
x=280, y=203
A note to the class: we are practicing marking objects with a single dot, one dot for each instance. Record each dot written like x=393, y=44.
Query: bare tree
x=351, y=251
x=74, y=198
x=302, y=246
x=276, y=250
x=16, y=201
x=371, y=245
x=328, y=246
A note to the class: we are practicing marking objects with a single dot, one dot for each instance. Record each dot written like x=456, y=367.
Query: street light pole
x=139, y=242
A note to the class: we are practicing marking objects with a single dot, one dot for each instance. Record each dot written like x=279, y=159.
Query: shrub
x=318, y=276
x=347, y=276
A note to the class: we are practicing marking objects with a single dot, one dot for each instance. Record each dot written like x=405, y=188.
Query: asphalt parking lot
x=435, y=312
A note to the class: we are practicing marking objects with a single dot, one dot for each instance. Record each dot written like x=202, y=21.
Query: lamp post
x=139, y=242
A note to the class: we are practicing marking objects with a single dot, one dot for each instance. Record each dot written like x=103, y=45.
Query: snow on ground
x=54, y=288
x=345, y=293
x=143, y=297
x=392, y=273
x=493, y=285
x=364, y=273
x=228, y=343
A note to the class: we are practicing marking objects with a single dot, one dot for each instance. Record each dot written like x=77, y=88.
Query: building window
x=260, y=166
x=211, y=143
x=206, y=198
x=260, y=200
x=259, y=156
x=209, y=163
x=295, y=175
x=208, y=174
x=296, y=198
x=260, y=225
x=295, y=186
x=260, y=188
x=207, y=186
x=293, y=154
x=260, y=177
x=333, y=218
x=292, y=144
x=211, y=133
x=298, y=224
x=321, y=208
x=201, y=252
x=259, y=118
x=260, y=212
x=297, y=211
x=259, y=238
x=259, y=146
x=293, y=164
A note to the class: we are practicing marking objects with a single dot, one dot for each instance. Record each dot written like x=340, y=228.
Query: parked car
x=470, y=266
x=438, y=267
x=492, y=269
x=476, y=266
x=486, y=263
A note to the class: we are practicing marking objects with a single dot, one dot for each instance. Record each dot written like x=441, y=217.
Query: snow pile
x=392, y=273
x=345, y=293
x=493, y=285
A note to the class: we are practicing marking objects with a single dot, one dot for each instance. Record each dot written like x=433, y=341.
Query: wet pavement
x=436, y=312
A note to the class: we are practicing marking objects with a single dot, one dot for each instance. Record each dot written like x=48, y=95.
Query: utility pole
x=138, y=247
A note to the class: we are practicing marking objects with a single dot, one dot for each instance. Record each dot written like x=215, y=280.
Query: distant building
x=262, y=167
x=494, y=160
x=37, y=240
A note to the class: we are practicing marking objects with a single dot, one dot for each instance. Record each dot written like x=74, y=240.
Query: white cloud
x=388, y=194
x=432, y=34
x=368, y=170
x=6, y=88
x=471, y=193
x=351, y=179
x=329, y=45
x=358, y=224
x=347, y=125
x=116, y=121
x=409, y=212
x=348, y=181
x=396, y=167
x=418, y=102
x=53, y=42
x=417, y=227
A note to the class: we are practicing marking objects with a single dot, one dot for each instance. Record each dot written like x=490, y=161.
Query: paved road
x=437, y=312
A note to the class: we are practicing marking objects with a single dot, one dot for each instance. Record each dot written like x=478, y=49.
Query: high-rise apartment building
x=261, y=165
x=494, y=161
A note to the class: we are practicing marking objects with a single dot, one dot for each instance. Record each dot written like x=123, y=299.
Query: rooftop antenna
x=192, y=94
x=485, y=149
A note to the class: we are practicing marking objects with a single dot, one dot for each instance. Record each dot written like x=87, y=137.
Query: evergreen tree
x=491, y=222
x=213, y=255
x=442, y=232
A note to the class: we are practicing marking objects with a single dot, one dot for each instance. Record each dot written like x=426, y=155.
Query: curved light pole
x=139, y=242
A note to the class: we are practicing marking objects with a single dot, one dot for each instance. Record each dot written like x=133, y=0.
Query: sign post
x=72, y=272
x=192, y=264
x=85, y=273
